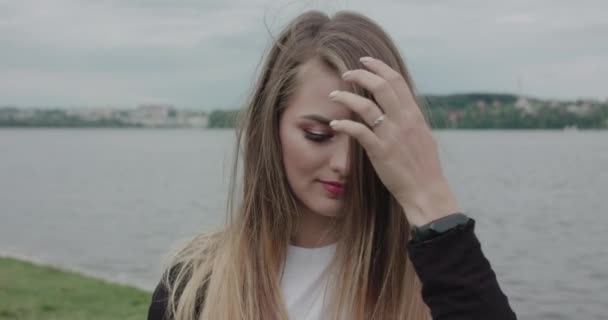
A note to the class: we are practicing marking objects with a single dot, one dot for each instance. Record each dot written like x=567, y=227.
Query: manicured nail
x=333, y=123
x=333, y=94
x=346, y=74
x=366, y=59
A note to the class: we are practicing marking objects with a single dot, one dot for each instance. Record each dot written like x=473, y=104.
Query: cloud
x=204, y=54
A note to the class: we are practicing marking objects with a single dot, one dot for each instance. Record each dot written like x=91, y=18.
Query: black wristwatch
x=436, y=227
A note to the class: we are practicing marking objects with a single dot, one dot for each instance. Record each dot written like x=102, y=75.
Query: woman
x=338, y=168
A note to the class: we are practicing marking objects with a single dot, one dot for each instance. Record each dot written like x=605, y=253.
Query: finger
x=366, y=108
x=380, y=88
x=370, y=142
x=395, y=79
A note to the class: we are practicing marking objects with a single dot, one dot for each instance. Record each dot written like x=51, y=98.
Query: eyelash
x=317, y=137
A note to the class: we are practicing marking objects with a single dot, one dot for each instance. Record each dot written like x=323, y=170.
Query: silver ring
x=378, y=121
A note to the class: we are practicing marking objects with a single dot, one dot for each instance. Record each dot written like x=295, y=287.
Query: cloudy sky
x=204, y=54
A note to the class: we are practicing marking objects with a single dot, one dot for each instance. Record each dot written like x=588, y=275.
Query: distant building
x=580, y=109
x=481, y=105
x=93, y=114
x=152, y=115
x=24, y=114
x=453, y=116
x=524, y=104
x=192, y=119
x=160, y=115
x=554, y=104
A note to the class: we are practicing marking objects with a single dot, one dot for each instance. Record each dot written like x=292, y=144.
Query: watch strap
x=439, y=226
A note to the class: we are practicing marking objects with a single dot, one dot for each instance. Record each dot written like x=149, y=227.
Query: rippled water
x=111, y=202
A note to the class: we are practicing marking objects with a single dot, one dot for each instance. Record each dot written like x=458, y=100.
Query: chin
x=327, y=207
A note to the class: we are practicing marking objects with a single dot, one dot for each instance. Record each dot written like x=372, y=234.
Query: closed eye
x=317, y=137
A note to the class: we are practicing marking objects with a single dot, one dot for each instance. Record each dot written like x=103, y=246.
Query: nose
x=340, y=160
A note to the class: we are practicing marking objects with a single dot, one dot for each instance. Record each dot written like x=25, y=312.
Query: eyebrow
x=317, y=118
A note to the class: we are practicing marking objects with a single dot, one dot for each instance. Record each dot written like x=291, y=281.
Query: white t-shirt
x=304, y=281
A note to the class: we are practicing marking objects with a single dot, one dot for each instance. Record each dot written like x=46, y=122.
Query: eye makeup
x=317, y=136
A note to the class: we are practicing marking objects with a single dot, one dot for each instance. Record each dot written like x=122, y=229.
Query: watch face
x=448, y=222
x=437, y=227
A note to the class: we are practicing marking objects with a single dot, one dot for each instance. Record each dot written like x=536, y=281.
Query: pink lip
x=333, y=187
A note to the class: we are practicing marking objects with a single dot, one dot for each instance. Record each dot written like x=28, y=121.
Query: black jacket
x=457, y=280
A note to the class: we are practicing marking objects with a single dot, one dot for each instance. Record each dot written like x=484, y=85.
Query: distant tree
x=222, y=119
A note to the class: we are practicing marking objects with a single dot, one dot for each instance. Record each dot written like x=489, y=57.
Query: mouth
x=333, y=187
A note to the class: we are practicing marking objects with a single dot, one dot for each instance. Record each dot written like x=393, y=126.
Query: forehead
x=314, y=82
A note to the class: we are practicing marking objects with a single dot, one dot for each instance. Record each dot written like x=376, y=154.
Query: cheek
x=299, y=158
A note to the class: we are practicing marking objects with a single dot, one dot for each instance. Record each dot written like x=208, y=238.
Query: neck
x=315, y=230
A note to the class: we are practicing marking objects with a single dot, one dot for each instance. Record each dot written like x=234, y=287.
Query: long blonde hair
x=235, y=273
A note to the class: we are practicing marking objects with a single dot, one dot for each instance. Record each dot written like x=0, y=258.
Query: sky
x=205, y=54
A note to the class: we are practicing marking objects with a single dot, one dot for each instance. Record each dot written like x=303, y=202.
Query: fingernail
x=346, y=74
x=366, y=59
x=333, y=123
x=333, y=94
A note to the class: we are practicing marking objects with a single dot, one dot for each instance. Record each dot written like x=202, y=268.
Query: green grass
x=29, y=291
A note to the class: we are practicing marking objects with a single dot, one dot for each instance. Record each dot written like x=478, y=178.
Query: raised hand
x=398, y=141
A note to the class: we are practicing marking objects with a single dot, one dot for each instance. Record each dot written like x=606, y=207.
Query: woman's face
x=315, y=158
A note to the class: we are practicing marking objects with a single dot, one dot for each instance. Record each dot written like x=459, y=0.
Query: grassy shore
x=29, y=291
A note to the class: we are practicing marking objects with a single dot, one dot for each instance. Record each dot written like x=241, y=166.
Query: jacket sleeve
x=457, y=280
x=158, y=305
x=160, y=297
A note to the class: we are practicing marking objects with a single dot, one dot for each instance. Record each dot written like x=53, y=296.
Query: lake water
x=111, y=202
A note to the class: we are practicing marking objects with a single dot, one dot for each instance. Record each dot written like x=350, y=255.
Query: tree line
x=485, y=111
